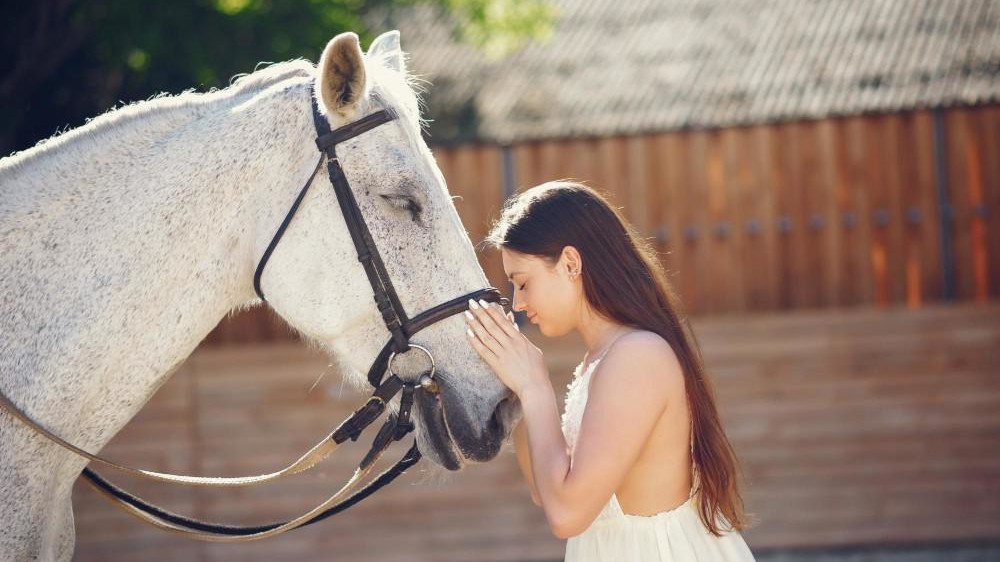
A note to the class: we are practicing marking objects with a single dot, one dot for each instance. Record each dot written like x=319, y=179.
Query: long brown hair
x=624, y=281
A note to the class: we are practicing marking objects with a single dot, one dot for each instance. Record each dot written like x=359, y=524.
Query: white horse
x=125, y=241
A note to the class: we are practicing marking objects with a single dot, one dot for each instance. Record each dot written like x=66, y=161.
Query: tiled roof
x=630, y=66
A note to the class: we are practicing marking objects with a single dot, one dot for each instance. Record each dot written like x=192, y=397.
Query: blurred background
x=820, y=178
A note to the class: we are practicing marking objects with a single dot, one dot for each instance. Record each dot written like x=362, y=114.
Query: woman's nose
x=518, y=304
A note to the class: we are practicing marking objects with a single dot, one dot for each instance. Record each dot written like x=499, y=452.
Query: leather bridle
x=397, y=425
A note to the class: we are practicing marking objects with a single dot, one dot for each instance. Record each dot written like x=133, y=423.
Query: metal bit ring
x=426, y=380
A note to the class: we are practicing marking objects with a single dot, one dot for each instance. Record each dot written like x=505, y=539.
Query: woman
x=638, y=468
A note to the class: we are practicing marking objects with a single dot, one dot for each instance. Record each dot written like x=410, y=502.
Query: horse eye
x=404, y=203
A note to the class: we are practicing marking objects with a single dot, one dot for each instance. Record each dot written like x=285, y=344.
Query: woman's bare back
x=660, y=479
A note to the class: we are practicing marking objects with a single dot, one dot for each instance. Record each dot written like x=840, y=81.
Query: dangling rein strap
x=395, y=428
x=201, y=530
x=350, y=428
x=212, y=532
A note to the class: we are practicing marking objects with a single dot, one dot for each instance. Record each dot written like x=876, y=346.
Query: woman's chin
x=553, y=331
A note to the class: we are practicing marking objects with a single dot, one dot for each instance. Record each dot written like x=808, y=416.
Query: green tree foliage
x=501, y=27
x=68, y=60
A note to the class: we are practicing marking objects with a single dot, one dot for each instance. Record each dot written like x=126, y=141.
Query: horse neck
x=143, y=246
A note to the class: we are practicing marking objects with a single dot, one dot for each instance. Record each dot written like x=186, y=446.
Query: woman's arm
x=524, y=458
x=643, y=375
x=628, y=393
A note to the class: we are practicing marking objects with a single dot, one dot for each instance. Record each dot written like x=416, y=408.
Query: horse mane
x=164, y=104
x=394, y=87
x=397, y=89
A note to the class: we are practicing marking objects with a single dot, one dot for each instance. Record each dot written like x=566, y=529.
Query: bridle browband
x=397, y=425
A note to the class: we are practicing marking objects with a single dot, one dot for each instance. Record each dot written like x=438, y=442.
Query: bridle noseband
x=401, y=328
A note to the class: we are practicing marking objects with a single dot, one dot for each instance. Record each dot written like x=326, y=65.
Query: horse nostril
x=503, y=415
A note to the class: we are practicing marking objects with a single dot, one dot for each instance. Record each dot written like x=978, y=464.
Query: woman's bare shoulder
x=645, y=340
x=646, y=352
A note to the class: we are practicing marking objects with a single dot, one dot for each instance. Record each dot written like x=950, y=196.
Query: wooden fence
x=900, y=209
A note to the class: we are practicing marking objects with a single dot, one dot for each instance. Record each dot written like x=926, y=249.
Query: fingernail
x=483, y=303
x=468, y=315
x=469, y=333
x=472, y=304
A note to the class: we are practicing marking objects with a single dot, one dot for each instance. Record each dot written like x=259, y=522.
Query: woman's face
x=544, y=293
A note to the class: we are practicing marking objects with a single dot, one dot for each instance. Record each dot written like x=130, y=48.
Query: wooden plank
x=726, y=216
x=612, y=171
x=845, y=259
x=989, y=118
x=583, y=160
x=786, y=173
x=551, y=163
x=923, y=239
x=765, y=157
x=637, y=204
x=490, y=198
x=464, y=181
x=658, y=199
x=673, y=152
x=696, y=230
x=826, y=210
x=750, y=202
x=975, y=199
x=525, y=167
x=878, y=215
x=891, y=142
x=809, y=239
x=714, y=250
x=858, y=142
x=958, y=147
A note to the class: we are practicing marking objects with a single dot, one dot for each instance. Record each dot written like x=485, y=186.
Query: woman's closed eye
x=521, y=288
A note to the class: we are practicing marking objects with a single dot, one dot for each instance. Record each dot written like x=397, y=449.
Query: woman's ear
x=570, y=262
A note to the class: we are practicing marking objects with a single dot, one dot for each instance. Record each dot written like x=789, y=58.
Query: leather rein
x=396, y=426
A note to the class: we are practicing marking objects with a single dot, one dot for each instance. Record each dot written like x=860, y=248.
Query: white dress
x=676, y=535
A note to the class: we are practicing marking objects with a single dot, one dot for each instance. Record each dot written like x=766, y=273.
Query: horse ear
x=341, y=83
x=386, y=48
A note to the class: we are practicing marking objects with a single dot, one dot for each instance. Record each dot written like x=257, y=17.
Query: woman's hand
x=500, y=343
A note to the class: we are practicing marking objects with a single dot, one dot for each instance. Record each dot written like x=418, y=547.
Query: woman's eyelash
x=523, y=286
